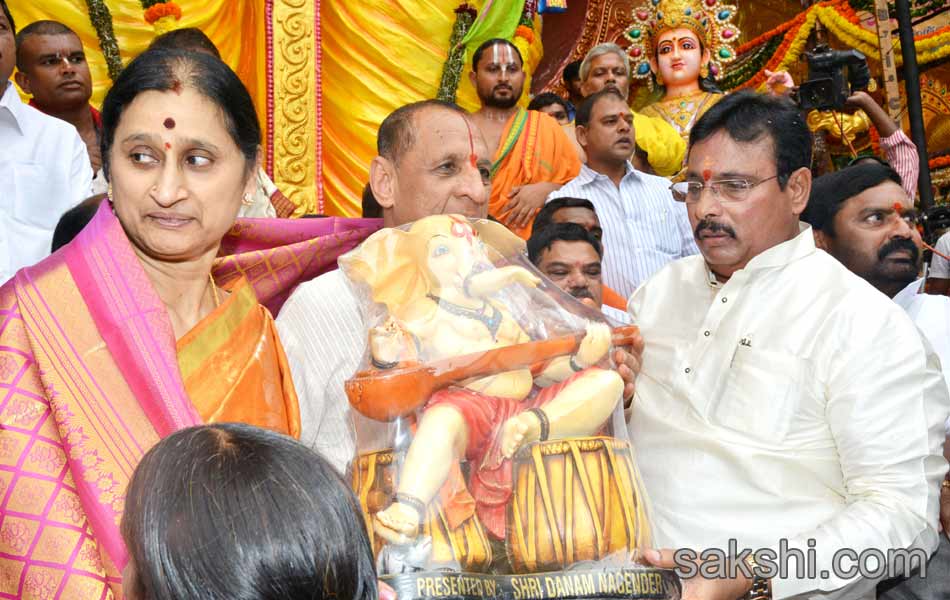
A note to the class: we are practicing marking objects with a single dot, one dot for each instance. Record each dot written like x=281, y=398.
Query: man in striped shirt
x=644, y=228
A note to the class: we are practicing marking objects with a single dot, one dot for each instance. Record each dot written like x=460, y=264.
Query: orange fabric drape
x=543, y=152
x=234, y=368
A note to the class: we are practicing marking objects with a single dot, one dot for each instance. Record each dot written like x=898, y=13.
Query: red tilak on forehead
x=169, y=123
x=899, y=208
x=707, y=174
x=168, y=146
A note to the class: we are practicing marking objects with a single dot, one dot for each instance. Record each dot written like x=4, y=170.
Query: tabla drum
x=373, y=477
x=573, y=500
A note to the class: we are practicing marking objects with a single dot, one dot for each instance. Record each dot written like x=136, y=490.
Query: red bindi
x=899, y=208
x=169, y=123
x=707, y=174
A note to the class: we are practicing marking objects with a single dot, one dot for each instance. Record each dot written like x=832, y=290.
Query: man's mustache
x=899, y=244
x=713, y=227
x=581, y=292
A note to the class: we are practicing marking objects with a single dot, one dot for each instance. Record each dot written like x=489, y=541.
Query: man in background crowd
x=570, y=257
x=572, y=82
x=608, y=66
x=552, y=105
x=52, y=68
x=531, y=154
x=644, y=228
x=44, y=168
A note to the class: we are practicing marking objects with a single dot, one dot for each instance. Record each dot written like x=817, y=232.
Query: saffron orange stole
x=234, y=368
x=533, y=149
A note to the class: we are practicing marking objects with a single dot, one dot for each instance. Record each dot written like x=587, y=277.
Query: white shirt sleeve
x=939, y=266
x=888, y=432
x=321, y=329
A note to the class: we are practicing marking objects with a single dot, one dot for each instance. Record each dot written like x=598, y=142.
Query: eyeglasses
x=728, y=190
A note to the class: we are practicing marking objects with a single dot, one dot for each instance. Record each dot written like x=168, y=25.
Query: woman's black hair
x=166, y=70
x=232, y=511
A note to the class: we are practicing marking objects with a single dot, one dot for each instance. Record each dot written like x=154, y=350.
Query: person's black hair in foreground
x=232, y=511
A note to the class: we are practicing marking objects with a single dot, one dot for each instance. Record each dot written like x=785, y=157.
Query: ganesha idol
x=503, y=404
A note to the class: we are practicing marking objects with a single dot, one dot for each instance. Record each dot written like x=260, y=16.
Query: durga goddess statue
x=680, y=46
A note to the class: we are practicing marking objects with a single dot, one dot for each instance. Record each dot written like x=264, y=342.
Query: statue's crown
x=710, y=20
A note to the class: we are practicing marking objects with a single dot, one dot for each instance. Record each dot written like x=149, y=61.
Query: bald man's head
x=432, y=160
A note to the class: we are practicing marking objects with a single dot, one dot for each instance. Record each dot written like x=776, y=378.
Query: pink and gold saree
x=91, y=376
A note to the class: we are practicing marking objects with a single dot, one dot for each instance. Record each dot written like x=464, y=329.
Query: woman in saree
x=130, y=333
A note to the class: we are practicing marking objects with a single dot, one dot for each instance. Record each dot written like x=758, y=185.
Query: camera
x=936, y=221
x=828, y=87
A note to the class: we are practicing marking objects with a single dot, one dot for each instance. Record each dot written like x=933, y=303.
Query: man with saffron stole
x=533, y=156
x=124, y=336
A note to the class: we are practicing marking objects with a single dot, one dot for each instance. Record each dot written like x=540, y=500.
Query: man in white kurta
x=781, y=396
x=863, y=217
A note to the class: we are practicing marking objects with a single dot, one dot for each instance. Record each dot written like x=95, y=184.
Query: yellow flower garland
x=929, y=49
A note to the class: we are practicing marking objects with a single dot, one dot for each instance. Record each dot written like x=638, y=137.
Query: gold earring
x=109, y=191
x=704, y=71
x=659, y=78
x=246, y=200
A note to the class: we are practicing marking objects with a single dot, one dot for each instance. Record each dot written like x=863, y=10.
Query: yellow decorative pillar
x=293, y=105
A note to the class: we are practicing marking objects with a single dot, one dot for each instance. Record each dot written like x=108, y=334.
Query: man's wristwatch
x=761, y=587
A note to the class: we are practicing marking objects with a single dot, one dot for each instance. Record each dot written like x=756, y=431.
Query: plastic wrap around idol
x=506, y=452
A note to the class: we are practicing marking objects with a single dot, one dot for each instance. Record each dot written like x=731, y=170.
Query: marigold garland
x=840, y=18
x=159, y=11
x=939, y=162
x=526, y=33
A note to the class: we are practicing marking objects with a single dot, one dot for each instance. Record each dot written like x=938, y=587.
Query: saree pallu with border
x=90, y=380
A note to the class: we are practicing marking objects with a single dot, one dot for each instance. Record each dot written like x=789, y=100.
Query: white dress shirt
x=322, y=329
x=931, y=314
x=939, y=266
x=644, y=228
x=793, y=401
x=44, y=171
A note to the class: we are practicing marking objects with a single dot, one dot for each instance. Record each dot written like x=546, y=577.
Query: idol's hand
x=594, y=345
x=385, y=343
x=698, y=587
x=516, y=274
